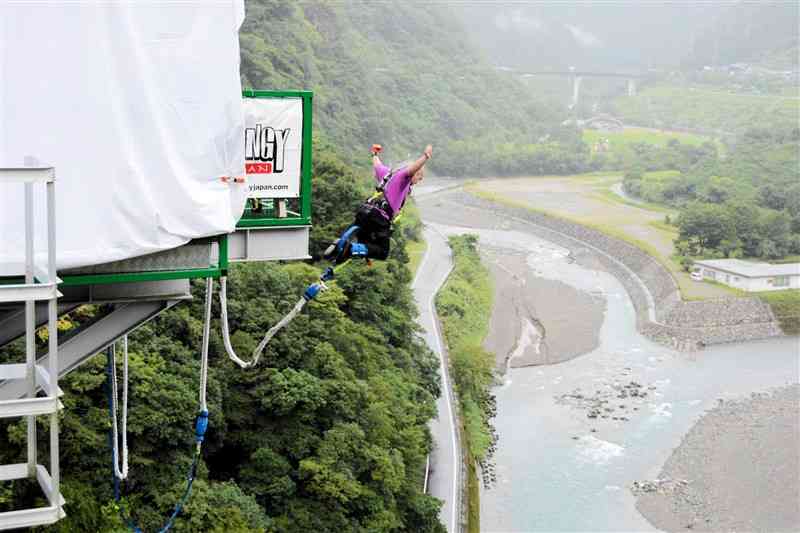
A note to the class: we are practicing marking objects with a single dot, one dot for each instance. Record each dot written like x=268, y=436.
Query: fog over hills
x=630, y=35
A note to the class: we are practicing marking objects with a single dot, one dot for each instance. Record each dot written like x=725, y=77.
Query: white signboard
x=273, y=141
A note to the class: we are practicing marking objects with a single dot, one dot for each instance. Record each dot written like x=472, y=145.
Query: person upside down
x=370, y=234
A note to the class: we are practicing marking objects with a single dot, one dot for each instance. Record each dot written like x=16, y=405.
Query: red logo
x=258, y=168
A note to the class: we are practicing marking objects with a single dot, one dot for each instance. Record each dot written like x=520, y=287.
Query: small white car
x=697, y=275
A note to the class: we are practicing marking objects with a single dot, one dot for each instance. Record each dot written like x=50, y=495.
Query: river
x=549, y=481
x=557, y=468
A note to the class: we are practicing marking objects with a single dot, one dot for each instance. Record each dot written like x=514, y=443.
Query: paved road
x=443, y=481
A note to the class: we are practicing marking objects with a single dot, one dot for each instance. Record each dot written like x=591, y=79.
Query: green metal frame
x=250, y=220
x=213, y=271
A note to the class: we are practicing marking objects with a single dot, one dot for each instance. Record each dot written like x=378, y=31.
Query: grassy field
x=415, y=251
x=642, y=135
x=464, y=306
x=588, y=200
x=786, y=306
x=620, y=151
x=410, y=224
x=706, y=109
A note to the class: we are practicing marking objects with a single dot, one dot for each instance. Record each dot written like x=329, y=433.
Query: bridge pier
x=631, y=87
x=576, y=89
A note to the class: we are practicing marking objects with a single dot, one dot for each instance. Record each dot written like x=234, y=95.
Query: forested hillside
x=328, y=433
x=746, y=204
x=404, y=75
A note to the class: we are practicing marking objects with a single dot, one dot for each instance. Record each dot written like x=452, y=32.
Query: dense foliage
x=464, y=306
x=403, y=76
x=746, y=204
x=705, y=109
x=328, y=433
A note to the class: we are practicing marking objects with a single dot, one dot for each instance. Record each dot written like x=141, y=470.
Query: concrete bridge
x=577, y=77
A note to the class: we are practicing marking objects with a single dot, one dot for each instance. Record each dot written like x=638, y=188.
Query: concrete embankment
x=661, y=313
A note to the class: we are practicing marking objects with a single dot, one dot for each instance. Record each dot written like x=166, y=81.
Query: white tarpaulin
x=273, y=146
x=138, y=107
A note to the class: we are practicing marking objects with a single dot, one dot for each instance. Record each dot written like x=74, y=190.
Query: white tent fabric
x=138, y=107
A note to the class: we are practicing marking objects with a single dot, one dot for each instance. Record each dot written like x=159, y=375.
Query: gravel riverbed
x=736, y=470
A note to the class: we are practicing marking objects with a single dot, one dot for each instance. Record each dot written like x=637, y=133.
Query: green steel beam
x=223, y=255
x=130, y=277
x=273, y=222
x=212, y=271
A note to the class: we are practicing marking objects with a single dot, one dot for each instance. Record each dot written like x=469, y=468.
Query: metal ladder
x=38, y=285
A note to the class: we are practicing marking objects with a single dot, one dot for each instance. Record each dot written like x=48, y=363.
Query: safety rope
x=310, y=293
x=119, y=472
x=201, y=422
x=226, y=338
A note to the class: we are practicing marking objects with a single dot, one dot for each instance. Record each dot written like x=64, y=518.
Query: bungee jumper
x=369, y=237
x=370, y=234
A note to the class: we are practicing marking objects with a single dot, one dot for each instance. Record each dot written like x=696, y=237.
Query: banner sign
x=273, y=146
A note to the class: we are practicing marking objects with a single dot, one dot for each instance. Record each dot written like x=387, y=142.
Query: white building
x=749, y=276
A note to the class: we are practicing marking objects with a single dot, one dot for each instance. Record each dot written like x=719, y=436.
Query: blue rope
x=201, y=425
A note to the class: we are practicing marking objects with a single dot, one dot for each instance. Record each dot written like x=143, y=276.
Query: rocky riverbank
x=736, y=470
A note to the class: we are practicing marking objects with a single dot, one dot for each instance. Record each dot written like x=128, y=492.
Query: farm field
x=632, y=135
x=704, y=109
x=588, y=199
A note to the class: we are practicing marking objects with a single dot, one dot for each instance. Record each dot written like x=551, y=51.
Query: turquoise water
x=553, y=472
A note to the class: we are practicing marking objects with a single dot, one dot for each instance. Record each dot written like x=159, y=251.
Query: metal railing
x=38, y=285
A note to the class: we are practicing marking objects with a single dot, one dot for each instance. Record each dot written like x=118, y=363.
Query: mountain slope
x=399, y=74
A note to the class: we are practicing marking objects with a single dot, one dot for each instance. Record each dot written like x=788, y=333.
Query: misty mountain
x=629, y=35
x=762, y=32
x=554, y=36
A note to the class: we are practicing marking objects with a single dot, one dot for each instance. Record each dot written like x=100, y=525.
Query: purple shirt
x=398, y=187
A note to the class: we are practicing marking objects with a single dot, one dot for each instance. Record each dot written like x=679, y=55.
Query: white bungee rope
x=120, y=472
x=226, y=338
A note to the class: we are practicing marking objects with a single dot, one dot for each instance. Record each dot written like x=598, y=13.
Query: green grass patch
x=786, y=307
x=641, y=136
x=706, y=109
x=663, y=226
x=409, y=224
x=473, y=500
x=415, y=251
x=787, y=259
x=464, y=306
x=607, y=195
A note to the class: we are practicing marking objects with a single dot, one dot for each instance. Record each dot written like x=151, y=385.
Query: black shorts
x=374, y=231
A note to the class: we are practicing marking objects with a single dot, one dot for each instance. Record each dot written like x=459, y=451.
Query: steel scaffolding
x=38, y=285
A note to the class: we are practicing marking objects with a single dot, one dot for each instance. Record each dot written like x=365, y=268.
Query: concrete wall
x=661, y=313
